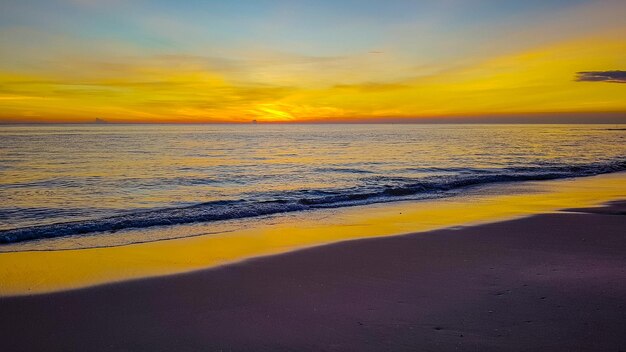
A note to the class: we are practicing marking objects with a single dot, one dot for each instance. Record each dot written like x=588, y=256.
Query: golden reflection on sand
x=46, y=271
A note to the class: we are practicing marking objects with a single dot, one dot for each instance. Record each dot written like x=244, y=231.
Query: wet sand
x=73, y=262
x=550, y=282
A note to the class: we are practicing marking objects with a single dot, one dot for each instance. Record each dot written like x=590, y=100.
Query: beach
x=312, y=175
x=371, y=243
x=550, y=282
x=73, y=262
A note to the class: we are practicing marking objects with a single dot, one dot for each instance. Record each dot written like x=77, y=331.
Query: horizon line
x=322, y=123
x=584, y=117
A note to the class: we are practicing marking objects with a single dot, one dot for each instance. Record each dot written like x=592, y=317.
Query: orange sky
x=124, y=63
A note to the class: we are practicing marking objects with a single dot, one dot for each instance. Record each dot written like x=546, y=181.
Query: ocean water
x=59, y=180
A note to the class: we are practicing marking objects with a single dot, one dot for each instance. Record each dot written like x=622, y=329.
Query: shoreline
x=543, y=282
x=39, y=272
x=241, y=210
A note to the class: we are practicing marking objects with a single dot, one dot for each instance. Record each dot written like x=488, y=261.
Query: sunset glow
x=275, y=61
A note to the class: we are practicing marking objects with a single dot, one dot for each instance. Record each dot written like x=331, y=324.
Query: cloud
x=601, y=76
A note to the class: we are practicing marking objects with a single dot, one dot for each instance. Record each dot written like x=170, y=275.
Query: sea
x=86, y=180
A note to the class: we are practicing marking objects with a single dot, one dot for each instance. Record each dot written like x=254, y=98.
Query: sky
x=312, y=61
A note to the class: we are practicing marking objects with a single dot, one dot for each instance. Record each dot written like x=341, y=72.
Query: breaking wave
x=375, y=189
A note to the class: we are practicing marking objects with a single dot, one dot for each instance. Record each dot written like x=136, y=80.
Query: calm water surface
x=72, y=179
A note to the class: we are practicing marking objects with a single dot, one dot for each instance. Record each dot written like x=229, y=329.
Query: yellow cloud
x=541, y=80
x=195, y=89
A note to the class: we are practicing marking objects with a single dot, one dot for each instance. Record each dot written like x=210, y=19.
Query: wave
x=376, y=189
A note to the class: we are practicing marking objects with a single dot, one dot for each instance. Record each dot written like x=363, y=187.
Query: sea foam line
x=382, y=191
